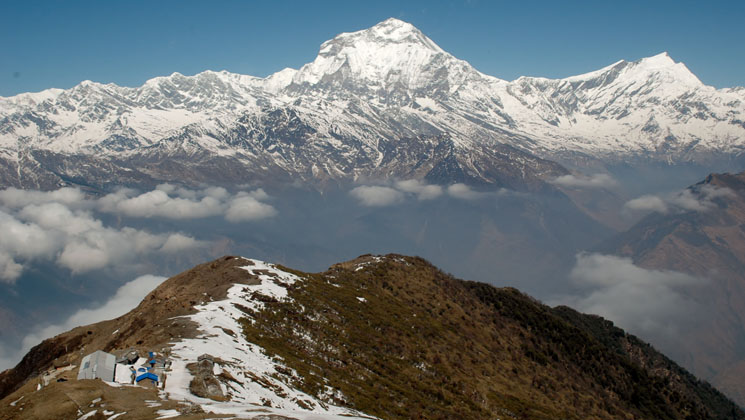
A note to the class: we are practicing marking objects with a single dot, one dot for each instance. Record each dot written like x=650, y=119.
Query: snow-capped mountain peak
x=660, y=68
x=661, y=60
x=390, y=56
x=393, y=30
x=665, y=69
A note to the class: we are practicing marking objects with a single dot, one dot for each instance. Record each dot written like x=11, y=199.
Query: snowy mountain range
x=385, y=102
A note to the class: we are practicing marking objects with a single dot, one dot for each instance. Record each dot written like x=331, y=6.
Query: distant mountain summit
x=385, y=102
x=392, y=62
x=388, y=337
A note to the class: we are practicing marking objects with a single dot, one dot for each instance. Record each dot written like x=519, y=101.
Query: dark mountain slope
x=709, y=244
x=399, y=330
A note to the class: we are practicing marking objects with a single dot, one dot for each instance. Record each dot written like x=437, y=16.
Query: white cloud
x=259, y=194
x=62, y=227
x=711, y=192
x=171, y=202
x=178, y=242
x=246, y=208
x=24, y=241
x=158, y=203
x=9, y=269
x=73, y=238
x=463, y=192
x=126, y=298
x=15, y=198
x=80, y=256
x=380, y=196
x=376, y=196
x=592, y=181
x=699, y=198
x=646, y=203
x=423, y=191
x=651, y=303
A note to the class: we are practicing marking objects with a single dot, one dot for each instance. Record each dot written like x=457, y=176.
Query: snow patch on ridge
x=255, y=390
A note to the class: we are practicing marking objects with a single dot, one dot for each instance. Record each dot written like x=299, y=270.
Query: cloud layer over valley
x=75, y=239
x=67, y=228
x=700, y=199
x=170, y=202
x=651, y=303
x=381, y=196
x=586, y=182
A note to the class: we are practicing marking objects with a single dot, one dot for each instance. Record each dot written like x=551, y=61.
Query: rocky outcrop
x=204, y=382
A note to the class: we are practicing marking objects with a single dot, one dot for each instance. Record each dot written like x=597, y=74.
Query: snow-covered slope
x=651, y=107
x=251, y=382
x=379, y=103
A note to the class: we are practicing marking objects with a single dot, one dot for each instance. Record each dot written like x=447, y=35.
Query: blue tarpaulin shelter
x=147, y=375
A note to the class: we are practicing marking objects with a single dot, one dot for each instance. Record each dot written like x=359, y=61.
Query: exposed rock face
x=205, y=384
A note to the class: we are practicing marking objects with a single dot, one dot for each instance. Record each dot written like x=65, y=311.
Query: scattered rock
x=205, y=384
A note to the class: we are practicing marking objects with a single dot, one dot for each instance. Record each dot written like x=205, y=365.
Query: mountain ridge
x=357, y=337
x=364, y=92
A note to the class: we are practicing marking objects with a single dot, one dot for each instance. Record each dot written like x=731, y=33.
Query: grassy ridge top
x=401, y=339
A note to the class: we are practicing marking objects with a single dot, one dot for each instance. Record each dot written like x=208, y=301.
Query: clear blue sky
x=60, y=43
